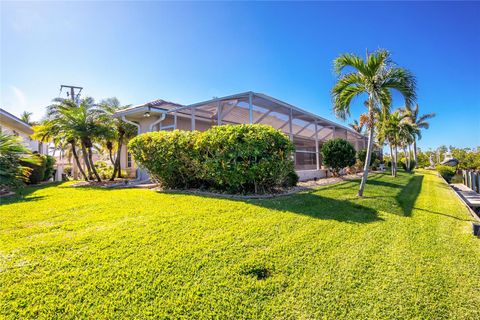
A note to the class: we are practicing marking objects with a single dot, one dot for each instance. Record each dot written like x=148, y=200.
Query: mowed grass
x=404, y=251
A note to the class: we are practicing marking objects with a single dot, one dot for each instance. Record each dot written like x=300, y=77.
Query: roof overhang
x=13, y=121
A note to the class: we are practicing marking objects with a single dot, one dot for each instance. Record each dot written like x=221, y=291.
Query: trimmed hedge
x=446, y=172
x=232, y=158
x=338, y=154
x=362, y=155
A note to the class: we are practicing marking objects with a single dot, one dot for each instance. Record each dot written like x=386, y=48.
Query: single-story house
x=12, y=125
x=306, y=130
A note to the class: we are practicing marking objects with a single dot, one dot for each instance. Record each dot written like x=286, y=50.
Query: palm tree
x=121, y=131
x=79, y=123
x=27, y=117
x=50, y=130
x=357, y=126
x=420, y=122
x=376, y=76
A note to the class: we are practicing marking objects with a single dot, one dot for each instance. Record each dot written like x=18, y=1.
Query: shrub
x=362, y=155
x=13, y=156
x=37, y=166
x=446, y=172
x=67, y=169
x=234, y=158
x=246, y=158
x=104, y=169
x=170, y=157
x=338, y=154
x=49, y=164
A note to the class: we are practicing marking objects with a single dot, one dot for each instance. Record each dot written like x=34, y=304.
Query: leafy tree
x=376, y=76
x=338, y=154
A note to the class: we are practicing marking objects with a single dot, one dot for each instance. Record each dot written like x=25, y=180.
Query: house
x=307, y=131
x=10, y=124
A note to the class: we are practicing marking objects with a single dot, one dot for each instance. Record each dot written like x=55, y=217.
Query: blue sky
x=189, y=52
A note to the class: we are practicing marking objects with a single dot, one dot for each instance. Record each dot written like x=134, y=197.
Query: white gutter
x=132, y=123
x=162, y=117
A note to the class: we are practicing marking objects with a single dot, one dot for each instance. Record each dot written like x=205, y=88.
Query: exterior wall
x=305, y=175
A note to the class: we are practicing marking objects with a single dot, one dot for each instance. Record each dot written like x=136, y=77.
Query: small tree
x=338, y=154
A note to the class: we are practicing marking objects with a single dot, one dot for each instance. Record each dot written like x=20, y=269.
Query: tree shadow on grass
x=314, y=205
x=23, y=195
x=408, y=194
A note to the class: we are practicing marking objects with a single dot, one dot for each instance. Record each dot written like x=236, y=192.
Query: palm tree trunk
x=392, y=162
x=86, y=161
x=77, y=161
x=396, y=163
x=367, y=162
x=116, y=166
x=407, y=158
x=90, y=158
x=415, y=153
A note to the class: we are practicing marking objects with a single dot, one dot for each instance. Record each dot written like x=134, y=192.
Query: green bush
x=67, y=169
x=446, y=172
x=233, y=158
x=104, y=169
x=338, y=154
x=38, y=168
x=49, y=164
x=245, y=158
x=169, y=156
x=362, y=155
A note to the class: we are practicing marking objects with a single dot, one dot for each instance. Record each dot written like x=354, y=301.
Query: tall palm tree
x=420, y=122
x=119, y=130
x=376, y=76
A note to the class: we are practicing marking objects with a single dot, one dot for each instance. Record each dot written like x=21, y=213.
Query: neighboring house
x=10, y=124
x=307, y=131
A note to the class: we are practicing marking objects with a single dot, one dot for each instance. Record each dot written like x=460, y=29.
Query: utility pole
x=71, y=94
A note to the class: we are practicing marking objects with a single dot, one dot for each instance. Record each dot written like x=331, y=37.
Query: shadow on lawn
x=23, y=195
x=408, y=194
x=314, y=205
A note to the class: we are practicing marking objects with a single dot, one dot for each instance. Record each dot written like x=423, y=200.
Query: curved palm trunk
x=367, y=162
x=77, y=161
x=87, y=161
x=90, y=158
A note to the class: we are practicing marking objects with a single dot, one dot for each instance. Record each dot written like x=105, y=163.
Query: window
x=129, y=160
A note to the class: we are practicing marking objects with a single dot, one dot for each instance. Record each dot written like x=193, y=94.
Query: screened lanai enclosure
x=307, y=131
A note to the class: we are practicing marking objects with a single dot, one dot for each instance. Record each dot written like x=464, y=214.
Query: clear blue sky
x=188, y=52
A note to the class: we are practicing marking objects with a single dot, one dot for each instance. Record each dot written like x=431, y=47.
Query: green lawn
x=405, y=251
